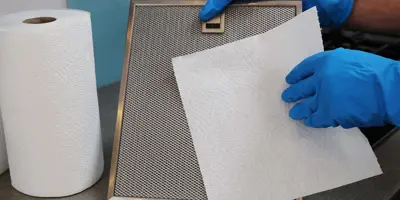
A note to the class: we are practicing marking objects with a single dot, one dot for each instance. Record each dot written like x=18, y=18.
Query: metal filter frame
x=123, y=86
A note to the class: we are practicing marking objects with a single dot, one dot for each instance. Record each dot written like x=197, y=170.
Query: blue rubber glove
x=345, y=88
x=212, y=9
x=332, y=13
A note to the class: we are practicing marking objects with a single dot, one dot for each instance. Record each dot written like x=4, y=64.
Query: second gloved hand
x=345, y=88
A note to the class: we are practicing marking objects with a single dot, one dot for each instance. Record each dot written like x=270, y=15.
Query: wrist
x=390, y=83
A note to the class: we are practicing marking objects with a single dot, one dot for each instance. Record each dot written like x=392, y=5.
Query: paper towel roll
x=3, y=153
x=49, y=102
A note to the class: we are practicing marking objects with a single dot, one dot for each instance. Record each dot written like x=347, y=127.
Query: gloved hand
x=332, y=13
x=212, y=9
x=345, y=88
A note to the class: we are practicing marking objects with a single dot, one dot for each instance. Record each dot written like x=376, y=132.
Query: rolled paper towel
x=3, y=153
x=49, y=102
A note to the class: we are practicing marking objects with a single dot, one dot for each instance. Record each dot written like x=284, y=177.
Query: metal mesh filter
x=156, y=156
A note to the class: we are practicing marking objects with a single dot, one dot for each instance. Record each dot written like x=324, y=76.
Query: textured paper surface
x=49, y=104
x=247, y=146
x=3, y=152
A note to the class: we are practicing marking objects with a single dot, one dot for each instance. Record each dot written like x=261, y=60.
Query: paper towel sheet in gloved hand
x=247, y=146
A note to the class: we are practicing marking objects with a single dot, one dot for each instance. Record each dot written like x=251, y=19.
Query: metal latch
x=215, y=25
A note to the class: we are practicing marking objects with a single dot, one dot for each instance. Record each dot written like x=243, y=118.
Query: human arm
x=345, y=88
x=376, y=16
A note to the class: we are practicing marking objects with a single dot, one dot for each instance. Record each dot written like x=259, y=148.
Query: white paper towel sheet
x=247, y=146
x=3, y=152
x=49, y=105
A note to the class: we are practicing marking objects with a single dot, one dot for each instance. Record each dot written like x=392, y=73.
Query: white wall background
x=9, y=6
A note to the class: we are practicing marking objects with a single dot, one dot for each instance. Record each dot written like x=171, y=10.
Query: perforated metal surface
x=156, y=156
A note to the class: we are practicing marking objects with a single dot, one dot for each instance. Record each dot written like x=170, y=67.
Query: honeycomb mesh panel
x=156, y=156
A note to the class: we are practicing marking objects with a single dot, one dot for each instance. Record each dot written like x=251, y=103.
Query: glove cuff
x=390, y=82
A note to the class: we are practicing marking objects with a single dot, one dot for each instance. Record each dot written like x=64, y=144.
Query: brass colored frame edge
x=296, y=3
x=299, y=10
x=129, y=198
x=124, y=77
x=169, y=2
x=132, y=198
x=121, y=103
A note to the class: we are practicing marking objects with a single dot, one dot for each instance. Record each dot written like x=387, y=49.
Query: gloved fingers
x=300, y=90
x=320, y=120
x=304, y=69
x=303, y=109
x=212, y=9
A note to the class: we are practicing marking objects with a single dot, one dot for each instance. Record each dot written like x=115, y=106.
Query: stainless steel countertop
x=378, y=188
